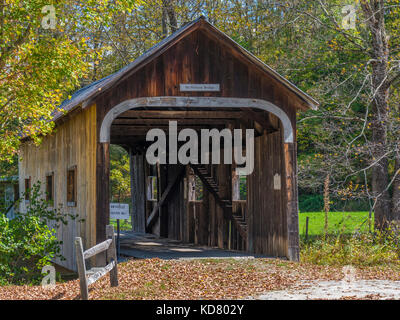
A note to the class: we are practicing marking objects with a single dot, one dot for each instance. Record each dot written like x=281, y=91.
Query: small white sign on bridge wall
x=119, y=211
x=202, y=87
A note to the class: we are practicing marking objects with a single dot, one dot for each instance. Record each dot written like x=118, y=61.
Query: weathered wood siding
x=72, y=144
x=266, y=208
x=198, y=58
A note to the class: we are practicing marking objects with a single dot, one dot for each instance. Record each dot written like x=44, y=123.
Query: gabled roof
x=84, y=96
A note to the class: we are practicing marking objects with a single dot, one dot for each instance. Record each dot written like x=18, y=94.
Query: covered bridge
x=200, y=78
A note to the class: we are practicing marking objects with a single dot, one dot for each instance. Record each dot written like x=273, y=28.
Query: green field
x=344, y=222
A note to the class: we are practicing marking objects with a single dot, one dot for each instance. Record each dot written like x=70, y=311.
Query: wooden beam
x=103, y=246
x=97, y=273
x=206, y=103
x=154, y=214
x=128, y=130
x=128, y=140
x=165, y=122
x=165, y=126
x=259, y=117
x=164, y=114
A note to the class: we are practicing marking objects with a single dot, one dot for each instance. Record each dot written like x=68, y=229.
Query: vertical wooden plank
x=139, y=195
x=250, y=206
x=203, y=222
x=148, y=205
x=259, y=211
x=220, y=212
x=278, y=193
x=112, y=253
x=132, y=181
x=285, y=242
x=205, y=214
x=80, y=260
x=293, y=251
x=176, y=208
x=266, y=203
x=212, y=208
x=103, y=200
x=195, y=66
x=164, y=209
x=192, y=232
x=183, y=207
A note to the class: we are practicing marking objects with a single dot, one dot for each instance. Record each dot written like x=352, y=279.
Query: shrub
x=359, y=249
x=311, y=202
x=315, y=202
x=27, y=243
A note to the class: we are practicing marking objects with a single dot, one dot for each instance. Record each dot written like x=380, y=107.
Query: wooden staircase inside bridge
x=226, y=204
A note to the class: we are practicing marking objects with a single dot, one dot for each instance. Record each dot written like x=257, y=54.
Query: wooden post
x=112, y=253
x=229, y=234
x=80, y=260
x=131, y=173
x=103, y=197
x=293, y=250
x=163, y=214
x=138, y=194
x=118, y=238
x=307, y=219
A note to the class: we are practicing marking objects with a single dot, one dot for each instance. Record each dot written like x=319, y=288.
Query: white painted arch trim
x=195, y=102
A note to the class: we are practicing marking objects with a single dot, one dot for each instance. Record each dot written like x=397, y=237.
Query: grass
x=343, y=222
x=348, y=242
x=125, y=225
x=349, y=221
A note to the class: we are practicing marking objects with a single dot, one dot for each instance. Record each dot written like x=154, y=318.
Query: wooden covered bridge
x=201, y=79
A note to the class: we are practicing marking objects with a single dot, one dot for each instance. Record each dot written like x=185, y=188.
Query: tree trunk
x=380, y=172
x=173, y=23
x=164, y=22
x=374, y=15
x=396, y=190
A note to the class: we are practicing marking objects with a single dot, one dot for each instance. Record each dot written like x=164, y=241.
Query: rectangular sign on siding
x=199, y=87
x=119, y=211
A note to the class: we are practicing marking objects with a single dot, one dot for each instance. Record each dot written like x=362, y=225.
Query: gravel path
x=335, y=290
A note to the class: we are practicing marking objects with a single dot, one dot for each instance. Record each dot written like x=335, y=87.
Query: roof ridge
x=86, y=94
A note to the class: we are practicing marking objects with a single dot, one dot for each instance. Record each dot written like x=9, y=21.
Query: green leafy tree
x=119, y=175
x=355, y=73
x=44, y=52
x=38, y=66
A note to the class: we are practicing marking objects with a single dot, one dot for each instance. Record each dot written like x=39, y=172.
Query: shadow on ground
x=147, y=246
